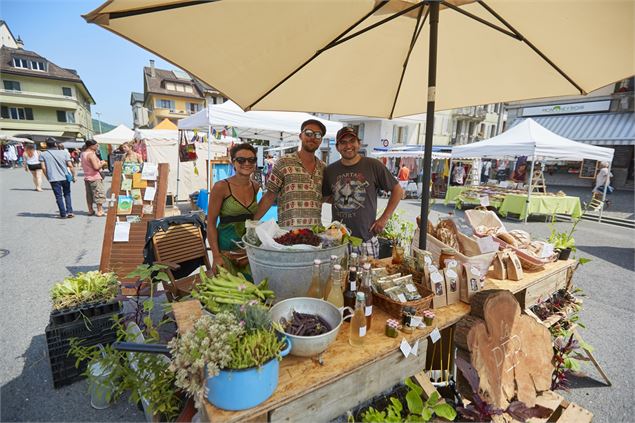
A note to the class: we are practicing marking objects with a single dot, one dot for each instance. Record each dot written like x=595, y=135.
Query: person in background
x=32, y=164
x=520, y=173
x=11, y=155
x=93, y=181
x=603, y=179
x=296, y=180
x=351, y=185
x=234, y=201
x=403, y=176
x=56, y=164
x=458, y=174
x=129, y=155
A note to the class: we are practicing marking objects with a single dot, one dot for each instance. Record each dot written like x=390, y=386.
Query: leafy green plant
x=84, y=288
x=418, y=409
x=399, y=230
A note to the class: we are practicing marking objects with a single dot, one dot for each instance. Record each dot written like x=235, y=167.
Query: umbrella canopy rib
x=481, y=20
x=317, y=53
x=128, y=13
x=533, y=47
x=415, y=34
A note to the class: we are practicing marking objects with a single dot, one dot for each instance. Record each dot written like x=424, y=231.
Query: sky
x=110, y=66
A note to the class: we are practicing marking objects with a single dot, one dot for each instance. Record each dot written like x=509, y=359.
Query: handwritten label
x=415, y=348
x=362, y=331
x=427, y=259
x=411, y=288
x=402, y=298
x=415, y=321
x=547, y=251
x=435, y=335
x=353, y=286
x=487, y=244
x=369, y=310
x=436, y=277
x=405, y=347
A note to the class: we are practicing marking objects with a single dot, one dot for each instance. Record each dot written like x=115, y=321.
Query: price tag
x=435, y=335
x=487, y=244
x=411, y=288
x=415, y=348
x=353, y=286
x=415, y=321
x=436, y=277
x=427, y=259
x=485, y=200
x=547, y=250
x=402, y=298
x=368, y=311
x=362, y=331
x=405, y=347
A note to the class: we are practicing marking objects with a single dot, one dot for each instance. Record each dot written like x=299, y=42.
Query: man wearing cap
x=351, y=185
x=296, y=180
x=55, y=166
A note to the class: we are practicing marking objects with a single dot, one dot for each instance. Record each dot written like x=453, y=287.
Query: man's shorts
x=95, y=192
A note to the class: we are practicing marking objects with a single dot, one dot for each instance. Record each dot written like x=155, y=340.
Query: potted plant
x=233, y=356
x=84, y=294
x=398, y=234
x=563, y=241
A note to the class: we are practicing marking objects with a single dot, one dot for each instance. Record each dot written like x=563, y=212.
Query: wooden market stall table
x=540, y=204
x=308, y=390
x=457, y=195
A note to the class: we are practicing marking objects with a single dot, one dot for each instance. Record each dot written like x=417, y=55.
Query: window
x=11, y=85
x=66, y=91
x=165, y=104
x=170, y=86
x=192, y=107
x=188, y=89
x=65, y=116
x=17, y=113
x=180, y=87
x=20, y=63
x=37, y=65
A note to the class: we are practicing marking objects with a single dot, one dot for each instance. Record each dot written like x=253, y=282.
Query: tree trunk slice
x=511, y=352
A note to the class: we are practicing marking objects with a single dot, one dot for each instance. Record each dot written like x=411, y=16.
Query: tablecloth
x=540, y=204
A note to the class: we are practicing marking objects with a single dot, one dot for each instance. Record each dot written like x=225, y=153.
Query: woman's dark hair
x=244, y=146
x=90, y=143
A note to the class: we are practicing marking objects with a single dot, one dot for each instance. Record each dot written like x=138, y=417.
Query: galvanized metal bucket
x=289, y=271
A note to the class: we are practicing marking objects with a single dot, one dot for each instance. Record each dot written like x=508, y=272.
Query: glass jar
x=397, y=254
x=446, y=254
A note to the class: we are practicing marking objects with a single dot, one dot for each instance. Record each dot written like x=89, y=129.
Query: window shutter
x=5, y=112
x=61, y=116
x=29, y=113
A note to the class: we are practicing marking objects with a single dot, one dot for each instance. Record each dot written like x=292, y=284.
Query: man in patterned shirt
x=296, y=180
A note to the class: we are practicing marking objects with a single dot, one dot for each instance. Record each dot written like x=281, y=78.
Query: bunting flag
x=224, y=132
x=234, y=132
x=214, y=132
x=195, y=170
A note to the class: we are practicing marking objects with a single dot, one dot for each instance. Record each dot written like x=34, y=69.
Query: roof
x=2, y=22
x=591, y=128
x=53, y=71
x=152, y=84
x=136, y=98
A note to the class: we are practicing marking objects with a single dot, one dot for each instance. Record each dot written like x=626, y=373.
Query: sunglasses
x=313, y=134
x=243, y=160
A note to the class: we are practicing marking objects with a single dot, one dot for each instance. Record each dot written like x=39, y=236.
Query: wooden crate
x=563, y=411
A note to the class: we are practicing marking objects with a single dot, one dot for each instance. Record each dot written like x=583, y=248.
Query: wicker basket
x=394, y=308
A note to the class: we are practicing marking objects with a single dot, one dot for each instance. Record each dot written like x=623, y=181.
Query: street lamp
x=99, y=120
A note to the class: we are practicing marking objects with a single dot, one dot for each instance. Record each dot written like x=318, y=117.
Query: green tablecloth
x=540, y=204
x=452, y=193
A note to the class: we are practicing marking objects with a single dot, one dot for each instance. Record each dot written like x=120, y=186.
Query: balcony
x=474, y=113
x=31, y=98
x=170, y=113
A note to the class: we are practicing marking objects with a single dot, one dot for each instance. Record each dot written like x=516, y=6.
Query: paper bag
x=452, y=285
x=471, y=284
x=437, y=285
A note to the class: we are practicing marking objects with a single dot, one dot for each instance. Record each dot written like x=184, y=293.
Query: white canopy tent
x=418, y=154
x=121, y=134
x=530, y=139
x=163, y=147
x=273, y=126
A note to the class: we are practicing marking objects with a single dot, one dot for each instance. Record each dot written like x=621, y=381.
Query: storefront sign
x=560, y=109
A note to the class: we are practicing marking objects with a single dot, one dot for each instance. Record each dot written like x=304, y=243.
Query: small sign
x=149, y=194
x=485, y=200
x=415, y=321
x=402, y=298
x=547, y=251
x=411, y=288
x=368, y=311
x=122, y=232
x=405, y=347
x=415, y=348
x=435, y=335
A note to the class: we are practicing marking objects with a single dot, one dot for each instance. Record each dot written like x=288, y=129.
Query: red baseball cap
x=347, y=130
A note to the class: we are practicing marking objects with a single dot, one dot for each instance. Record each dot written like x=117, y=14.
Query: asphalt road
x=37, y=250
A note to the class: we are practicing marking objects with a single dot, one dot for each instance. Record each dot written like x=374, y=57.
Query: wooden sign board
x=123, y=257
x=588, y=169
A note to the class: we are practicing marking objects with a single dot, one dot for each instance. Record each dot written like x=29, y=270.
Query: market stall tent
x=163, y=147
x=166, y=124
x=121, y=134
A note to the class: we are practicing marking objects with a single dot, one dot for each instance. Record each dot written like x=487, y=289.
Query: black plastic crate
x=89, y=310
x=90, y=332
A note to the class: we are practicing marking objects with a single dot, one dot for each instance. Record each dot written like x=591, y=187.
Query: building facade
x=39, y=98
x=170, y=95
x=604, y=117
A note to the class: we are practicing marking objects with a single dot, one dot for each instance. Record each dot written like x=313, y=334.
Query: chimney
x=20, y=43
x=152, y=73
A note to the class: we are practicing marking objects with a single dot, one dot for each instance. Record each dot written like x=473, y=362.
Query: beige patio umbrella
x=380, y=58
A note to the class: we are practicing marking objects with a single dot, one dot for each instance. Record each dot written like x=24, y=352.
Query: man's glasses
x=313, y=134
x=243, y=160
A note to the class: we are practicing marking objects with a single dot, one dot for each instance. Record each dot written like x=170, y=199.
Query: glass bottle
x=366, y=288
x=358, y=322
x=315, y=289
x=329, y=280
x=350, y=291
x=335, y=296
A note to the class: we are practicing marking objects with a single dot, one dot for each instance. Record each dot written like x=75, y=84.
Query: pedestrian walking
x=58, y=168
x=351, y=185
x=93, y=180
x=603, y=179
x=11, y=155
x=32, y=164
x=296, y=180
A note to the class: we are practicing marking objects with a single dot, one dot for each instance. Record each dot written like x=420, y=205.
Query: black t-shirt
x=354, y=190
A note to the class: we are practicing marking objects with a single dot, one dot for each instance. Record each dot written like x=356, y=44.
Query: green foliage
x=418, y=410
x=254, y=349
x=150, y=273
x=398, y=229
x=84, y=288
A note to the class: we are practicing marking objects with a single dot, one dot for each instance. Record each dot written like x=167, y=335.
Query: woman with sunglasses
x=233, y=200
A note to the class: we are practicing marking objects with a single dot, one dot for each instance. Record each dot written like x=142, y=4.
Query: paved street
x=37, y=250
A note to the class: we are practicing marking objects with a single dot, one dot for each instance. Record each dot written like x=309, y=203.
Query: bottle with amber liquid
x=357, y=334
x=350, y=291
x=366, y=288
x=315, y=289
x=329, y=280
x=335, y=296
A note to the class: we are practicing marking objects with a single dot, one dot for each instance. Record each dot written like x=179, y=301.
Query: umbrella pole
x=208, y=168
x=606, y=186
x=531, y=179
x=427, y=160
